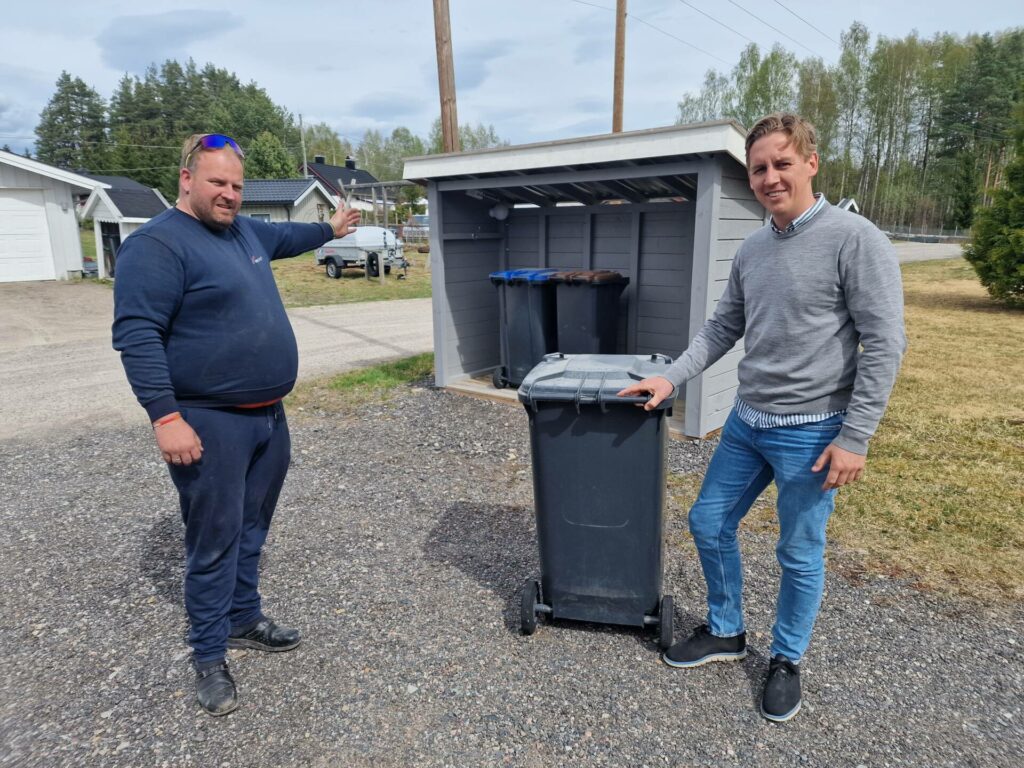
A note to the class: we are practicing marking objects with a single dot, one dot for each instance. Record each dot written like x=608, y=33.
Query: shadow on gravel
x=163, y=557
x=494, y=544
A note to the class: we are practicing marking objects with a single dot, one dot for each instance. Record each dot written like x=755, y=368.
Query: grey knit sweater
x=820, y=310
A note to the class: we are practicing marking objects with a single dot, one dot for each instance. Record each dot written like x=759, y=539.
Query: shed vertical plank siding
x=663, y=282
x=466, y=332
x=739, y=215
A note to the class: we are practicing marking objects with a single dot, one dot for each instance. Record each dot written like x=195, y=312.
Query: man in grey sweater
x=817, y=299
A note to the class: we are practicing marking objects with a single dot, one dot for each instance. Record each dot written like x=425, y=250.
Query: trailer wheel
x=665, y=623
x=332, y=269
x=373, y=265
x=529, y=597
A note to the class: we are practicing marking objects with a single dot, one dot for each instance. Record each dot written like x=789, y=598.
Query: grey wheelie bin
x=599, y=492
x=587, y=307
x=526, y=310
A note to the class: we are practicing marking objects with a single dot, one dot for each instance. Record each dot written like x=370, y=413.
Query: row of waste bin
x=549, y=310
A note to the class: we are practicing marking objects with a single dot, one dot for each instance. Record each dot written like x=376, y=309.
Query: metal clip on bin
x=599, y=492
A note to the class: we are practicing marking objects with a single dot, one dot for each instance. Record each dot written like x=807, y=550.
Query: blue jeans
x=227, y=501
x=745, y=462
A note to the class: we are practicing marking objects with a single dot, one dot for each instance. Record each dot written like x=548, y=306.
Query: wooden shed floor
x=482, y=388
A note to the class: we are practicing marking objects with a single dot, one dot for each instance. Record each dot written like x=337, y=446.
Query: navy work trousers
x=227, y=501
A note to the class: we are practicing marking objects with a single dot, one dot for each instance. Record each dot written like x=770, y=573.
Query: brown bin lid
x=596, y=276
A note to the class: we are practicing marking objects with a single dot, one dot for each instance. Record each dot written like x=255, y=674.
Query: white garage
x=38, y=229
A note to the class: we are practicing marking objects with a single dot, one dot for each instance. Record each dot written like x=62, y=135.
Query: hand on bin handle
x=658, y=387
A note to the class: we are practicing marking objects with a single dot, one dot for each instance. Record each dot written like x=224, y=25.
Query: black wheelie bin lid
x=591, y=379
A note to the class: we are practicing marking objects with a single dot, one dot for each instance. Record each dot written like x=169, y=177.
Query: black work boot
x=265, y=635
x=781, y=699
x=702, y=647
x=215, y=688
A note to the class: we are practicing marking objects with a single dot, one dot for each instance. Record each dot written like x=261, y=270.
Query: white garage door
x=24, y=239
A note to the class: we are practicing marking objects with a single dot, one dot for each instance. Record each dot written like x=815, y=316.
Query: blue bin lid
x=590, y=379
x=522, y=275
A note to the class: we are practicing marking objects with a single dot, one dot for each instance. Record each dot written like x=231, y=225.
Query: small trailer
x=366, y=248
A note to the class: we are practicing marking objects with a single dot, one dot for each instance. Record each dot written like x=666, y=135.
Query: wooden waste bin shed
x=666, y=207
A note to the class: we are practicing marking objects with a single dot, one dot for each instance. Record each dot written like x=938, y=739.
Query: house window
x=320, y=210
x=260, y=216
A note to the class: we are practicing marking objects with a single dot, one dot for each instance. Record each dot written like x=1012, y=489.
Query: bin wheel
x=373, y=264
x=498, y=378
x=529, y=597
x=665, y=623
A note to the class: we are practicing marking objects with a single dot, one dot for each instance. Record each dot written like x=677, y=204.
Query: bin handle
x=656, y=356
x=578, y=395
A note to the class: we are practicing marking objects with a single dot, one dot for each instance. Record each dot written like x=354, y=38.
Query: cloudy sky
x=535, y=69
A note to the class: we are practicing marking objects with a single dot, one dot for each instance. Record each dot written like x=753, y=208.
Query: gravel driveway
x=402, y=536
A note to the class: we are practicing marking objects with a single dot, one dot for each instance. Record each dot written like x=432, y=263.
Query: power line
x=656, y=29
x=776, y=29
x=805, y=21
x=719, y=23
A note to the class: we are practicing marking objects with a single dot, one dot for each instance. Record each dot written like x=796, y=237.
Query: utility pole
x=446, y=77
x=302, y=137
x=620, y=64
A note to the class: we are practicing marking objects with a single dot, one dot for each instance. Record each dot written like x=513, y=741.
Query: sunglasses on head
x=214, y=141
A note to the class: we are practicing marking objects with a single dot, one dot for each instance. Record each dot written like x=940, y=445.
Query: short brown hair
x=800, y=132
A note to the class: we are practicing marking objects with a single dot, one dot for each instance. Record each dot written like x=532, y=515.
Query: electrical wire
x=656, y=29
x=719, y=23
x=805, y=21
x=776, y=29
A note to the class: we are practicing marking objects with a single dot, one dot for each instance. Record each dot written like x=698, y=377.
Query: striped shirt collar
x=819, y=203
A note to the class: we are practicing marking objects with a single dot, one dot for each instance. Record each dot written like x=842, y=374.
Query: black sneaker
x=702, y=647
x=215, y=689
x=781, y=699
x=265, y=635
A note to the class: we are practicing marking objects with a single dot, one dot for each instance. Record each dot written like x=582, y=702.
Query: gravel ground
x=402, y=537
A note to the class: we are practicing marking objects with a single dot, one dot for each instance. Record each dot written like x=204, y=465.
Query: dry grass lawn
x=303, y=284
x=942, y=501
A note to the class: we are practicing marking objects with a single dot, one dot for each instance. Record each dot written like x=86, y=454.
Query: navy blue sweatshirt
x=198, y=319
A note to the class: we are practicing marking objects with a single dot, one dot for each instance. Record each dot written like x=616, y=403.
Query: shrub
x=996, y=250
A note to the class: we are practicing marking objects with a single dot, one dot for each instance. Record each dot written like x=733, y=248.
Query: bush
x=996, y=250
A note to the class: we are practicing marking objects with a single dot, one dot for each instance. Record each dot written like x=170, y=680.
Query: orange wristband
x=166, y=419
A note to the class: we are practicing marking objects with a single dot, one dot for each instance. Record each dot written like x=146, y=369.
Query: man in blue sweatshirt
x=817, y=298
x=209, y=352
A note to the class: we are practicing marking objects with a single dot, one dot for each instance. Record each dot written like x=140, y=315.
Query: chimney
x=350, y=163
x=319, y=159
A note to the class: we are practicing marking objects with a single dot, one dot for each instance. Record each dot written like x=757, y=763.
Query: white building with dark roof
x=117, y=209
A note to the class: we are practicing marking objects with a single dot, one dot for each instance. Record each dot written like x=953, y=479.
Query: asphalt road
x=59, y=373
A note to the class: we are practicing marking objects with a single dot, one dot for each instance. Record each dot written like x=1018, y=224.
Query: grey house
x=667, y=207
x=305, y=200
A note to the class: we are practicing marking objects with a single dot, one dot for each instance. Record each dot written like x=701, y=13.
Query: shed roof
x=49, y=171
x=117, y=182
x=128, y=201
x=332, y=174
x=142, y=203
x=278, y=191
x=636, y=165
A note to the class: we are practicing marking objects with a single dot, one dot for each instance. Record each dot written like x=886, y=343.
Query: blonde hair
x=800, y=132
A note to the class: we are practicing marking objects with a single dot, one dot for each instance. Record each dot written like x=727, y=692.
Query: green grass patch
x=363, y=385
x=303, y=283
